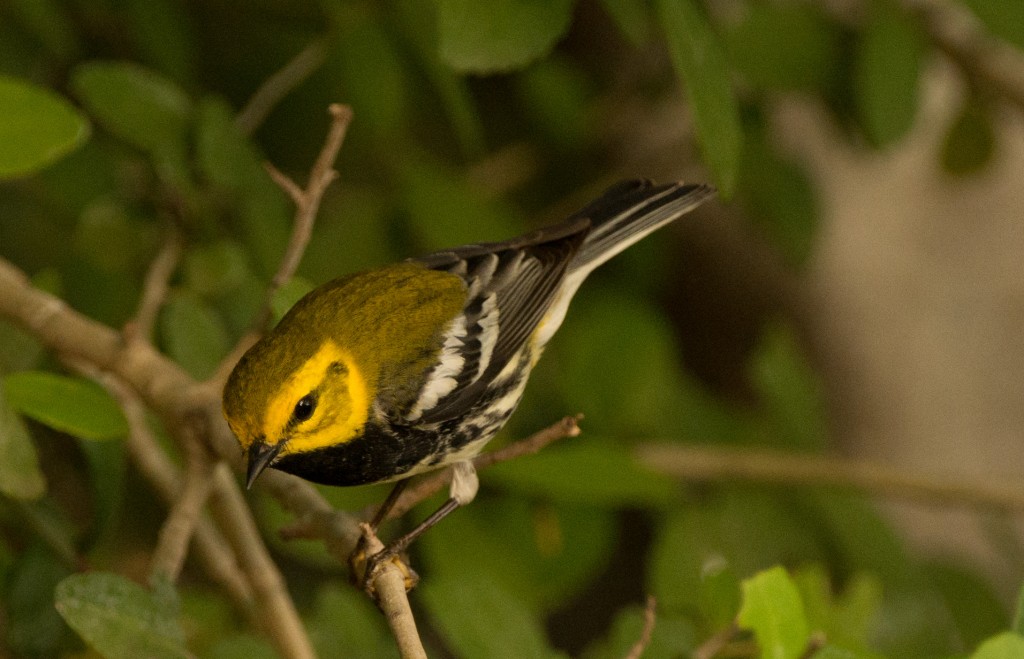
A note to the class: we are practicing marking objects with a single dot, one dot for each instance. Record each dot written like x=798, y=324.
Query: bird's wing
x=510, y=286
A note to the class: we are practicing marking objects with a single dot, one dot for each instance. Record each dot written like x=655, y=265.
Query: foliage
x=121, y=124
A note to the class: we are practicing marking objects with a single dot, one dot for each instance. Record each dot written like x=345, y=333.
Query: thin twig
x=183, y=519
x=278, y=612
x=161, y=473
x=307, y=204
x=650, y=610
x=155, y=288
x=389, y=588
x=775, y=468
x=960, y=35
x=428, y=486
x=716, y=642
x=280, y=84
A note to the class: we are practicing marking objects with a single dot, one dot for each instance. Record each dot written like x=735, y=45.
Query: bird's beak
x=261, y=455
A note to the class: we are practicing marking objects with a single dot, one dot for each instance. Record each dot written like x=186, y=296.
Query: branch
x=429, y=485
x=391, y=594
x=186, y=511
x=155, y=288
x=650, y=610
x=307, y=204
x=775, y=468
x=280, y=84
x=279, y=615
x=982, y=56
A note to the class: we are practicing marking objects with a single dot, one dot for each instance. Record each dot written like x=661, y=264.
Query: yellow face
x=323, y=402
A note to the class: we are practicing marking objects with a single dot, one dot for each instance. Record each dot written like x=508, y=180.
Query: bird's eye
x=304, y=408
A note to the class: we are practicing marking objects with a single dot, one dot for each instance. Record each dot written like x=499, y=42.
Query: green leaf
x=38, y=127
x=791, y=391
x=586, y=471
x=344, y=618
x=216, y=268
x=136, y=104
x=700, y=61
x=786, y=47
x=193, y=334
x=779, y=193
x=20, y=477
x=1018, y=613
x=1004, y=646
x=119, y=618
x=672, y=637
x=374, y=76
x=488, y=37
x=480, y=619
x=286, y=296
x=72, y=405
x=1004, y=18
x=886, y=74
x=542, y=554
x=773, y=610
x=718, y=595
x=32, y=628
x=243, y=646
x=976, y=610
x=970, y=140
x=49, y=21
x=632, y=17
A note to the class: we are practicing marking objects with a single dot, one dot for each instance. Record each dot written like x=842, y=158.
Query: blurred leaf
x=773, y=610
x=1018, y=613
x=38, y=127
x=352, y=234
x=672, y=637
x=118, y=617
x=136, y=104
x=242, y=646
x=541, y=554
x=790, y=390
x=557, y=98
x=32, y=628
x=161, y=33
x=72, y=405
x=445, y=209
x=970, y=140
x=419, y=26
x=289, y=294
x=700, y=61
x=632, y=17
x=224, y=154
x=49, y=23
x=779, y=193
x=749, y=529
x=373, y=75
x=111, y=240
x=718, y=596
x=215, y=269
x=344, y=618
x=886, y=74
x=20, y=477
x=466, y=612
x=19, y=350
x=107, y=466
x=586, y=471
x=830, y=651
x=977, y=611
x=1004, y=646
x=785, y=47
x=193, y=334
x=500, y=35
x=846, y=619
x=1004, y=18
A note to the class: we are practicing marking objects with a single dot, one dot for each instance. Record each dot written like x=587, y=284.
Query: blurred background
x=856, y=291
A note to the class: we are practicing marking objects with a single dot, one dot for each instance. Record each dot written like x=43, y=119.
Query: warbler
x=388, y=373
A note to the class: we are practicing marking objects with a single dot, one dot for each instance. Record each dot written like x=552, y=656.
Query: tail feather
x=627, y=212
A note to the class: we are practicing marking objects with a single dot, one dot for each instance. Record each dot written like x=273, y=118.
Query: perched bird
x=385, y=374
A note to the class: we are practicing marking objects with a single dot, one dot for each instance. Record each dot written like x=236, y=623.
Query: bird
x=385, y=374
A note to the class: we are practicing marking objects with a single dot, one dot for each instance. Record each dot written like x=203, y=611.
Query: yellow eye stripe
x=346, y=399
